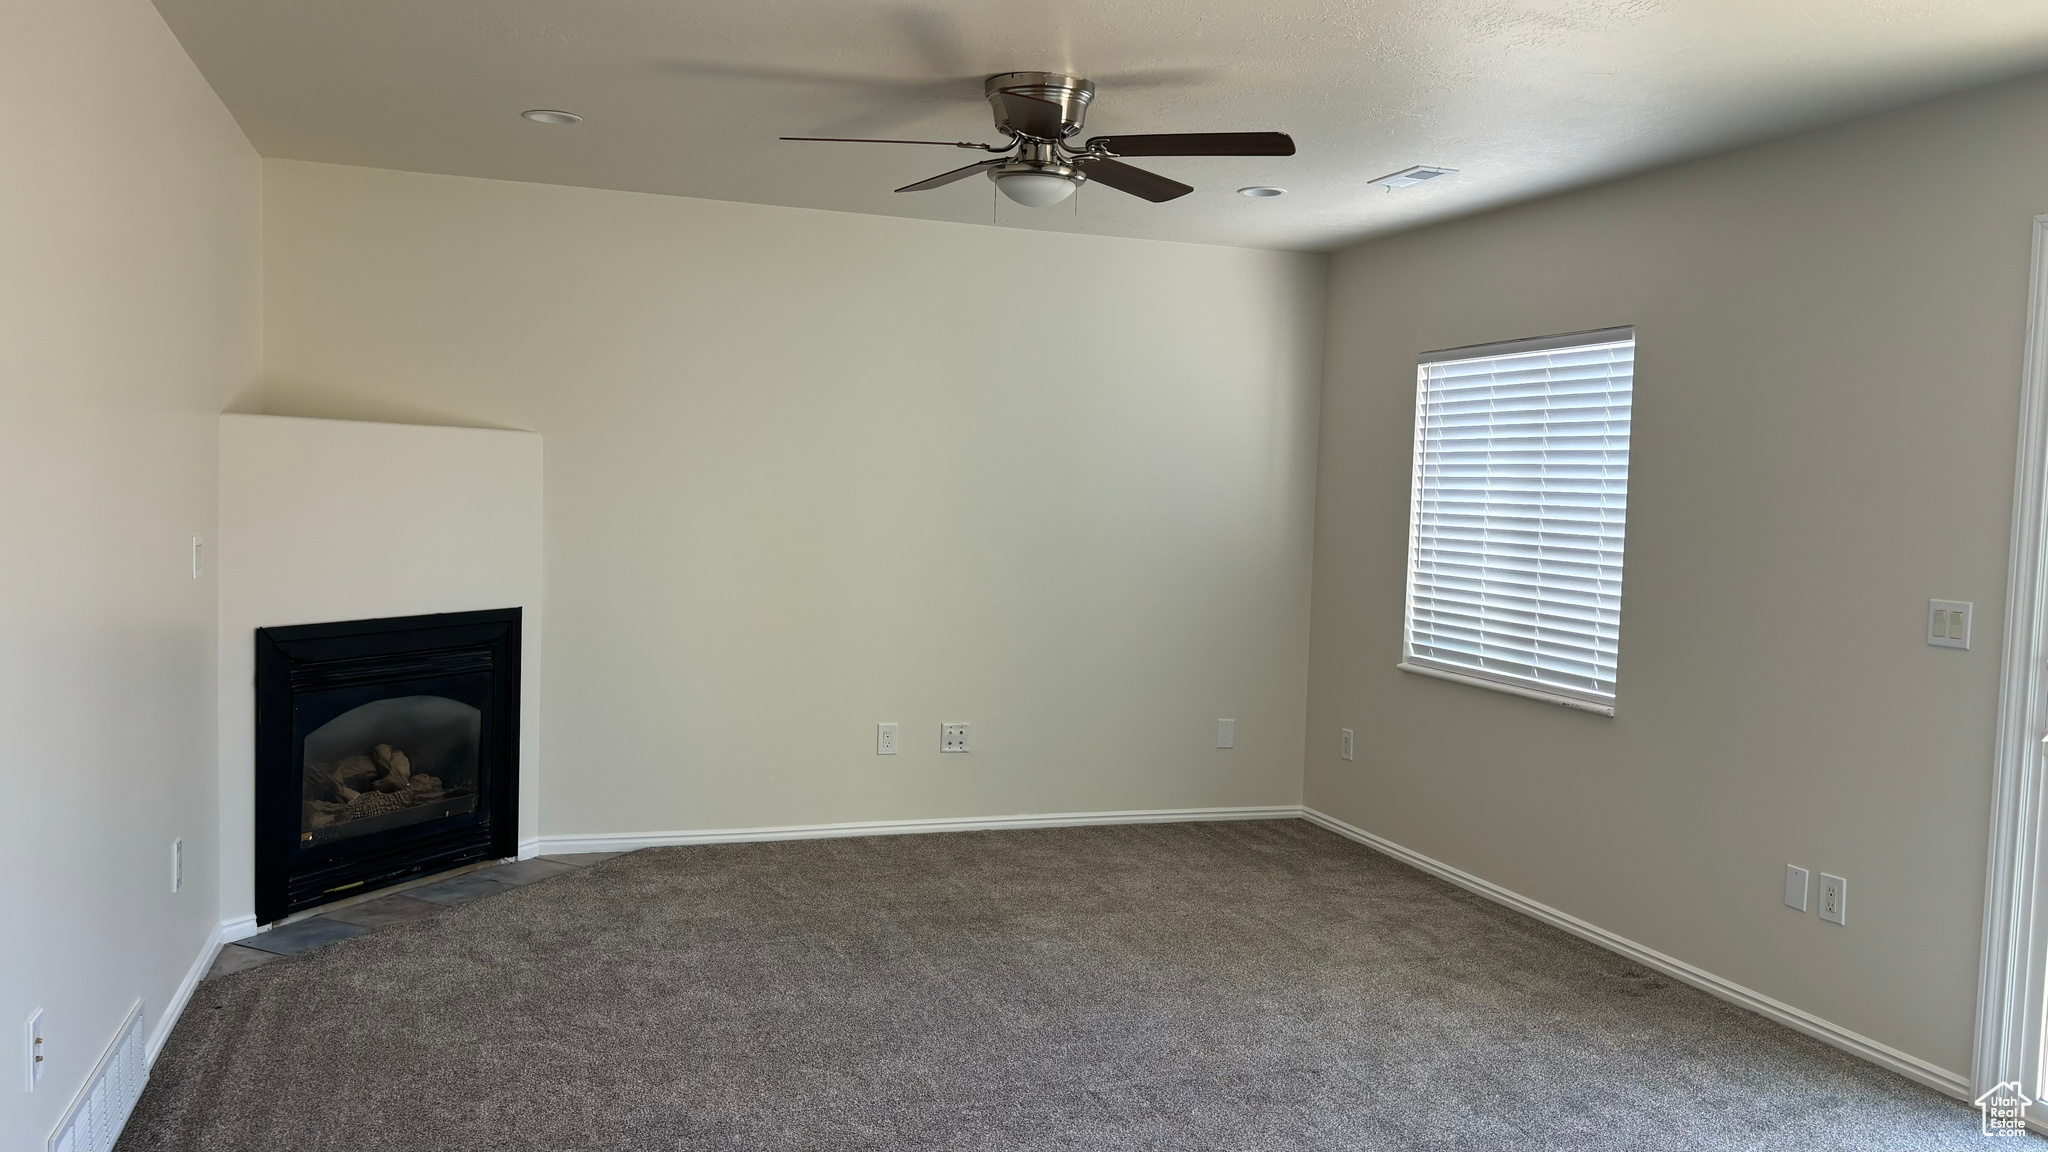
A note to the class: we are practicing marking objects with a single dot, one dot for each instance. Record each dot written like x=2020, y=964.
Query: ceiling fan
x=1040, y=112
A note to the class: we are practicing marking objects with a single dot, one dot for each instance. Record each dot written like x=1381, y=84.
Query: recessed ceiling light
x=1409, y=177
x=1261, y=191
x=552, y=116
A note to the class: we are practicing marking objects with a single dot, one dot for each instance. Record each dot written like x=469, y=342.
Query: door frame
x=2013, y=969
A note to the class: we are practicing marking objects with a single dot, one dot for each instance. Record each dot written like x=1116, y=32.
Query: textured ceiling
x=1524, y=97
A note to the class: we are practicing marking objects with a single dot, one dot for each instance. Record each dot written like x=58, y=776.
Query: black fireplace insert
x=385, y=749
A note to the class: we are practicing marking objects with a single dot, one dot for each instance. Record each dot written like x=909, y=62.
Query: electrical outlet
x=1226, y=733
x=1795, y=887
x=1834, y=899
x=952, y=737
x=1948, y=623
x=33, y=1035
x=177, y=864
x=885, y=739
x=1345, y=746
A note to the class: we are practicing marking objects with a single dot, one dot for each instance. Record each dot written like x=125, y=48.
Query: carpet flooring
x=1256, y=985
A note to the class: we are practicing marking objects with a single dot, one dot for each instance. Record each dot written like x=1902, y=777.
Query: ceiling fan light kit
x=1040, y=112
x=1035, y=189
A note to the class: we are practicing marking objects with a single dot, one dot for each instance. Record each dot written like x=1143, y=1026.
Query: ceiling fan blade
x=1032, y=116
x=1138, y=182
x=872, y=140
x=935, y=86
x=1198, y=144
x=1188, y=77
x=945, y=178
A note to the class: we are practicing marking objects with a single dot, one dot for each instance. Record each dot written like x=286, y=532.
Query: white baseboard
x=1883, y=1055
x=240, y=928
x=168, y=1018
x=631, y=841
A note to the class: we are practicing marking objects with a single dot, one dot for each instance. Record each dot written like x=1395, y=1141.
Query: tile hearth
x=401, y=904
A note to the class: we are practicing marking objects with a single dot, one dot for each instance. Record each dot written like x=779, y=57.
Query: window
x=1517, y=515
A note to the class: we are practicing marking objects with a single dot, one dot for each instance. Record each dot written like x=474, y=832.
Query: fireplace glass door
x=389, y=763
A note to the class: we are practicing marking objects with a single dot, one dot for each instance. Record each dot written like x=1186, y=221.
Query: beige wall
x=1827, y=382
x=811, y=471
x=324, y=520
x=129, y=229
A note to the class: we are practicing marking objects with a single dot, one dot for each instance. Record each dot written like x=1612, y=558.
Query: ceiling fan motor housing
x=1054, y=108
x=1038, y=110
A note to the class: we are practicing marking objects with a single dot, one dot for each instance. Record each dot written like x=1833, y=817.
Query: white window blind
x=1518, y=514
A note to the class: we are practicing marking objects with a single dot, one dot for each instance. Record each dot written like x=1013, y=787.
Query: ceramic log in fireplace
x=385, y=749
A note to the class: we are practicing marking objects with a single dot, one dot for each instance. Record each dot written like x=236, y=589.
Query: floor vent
x=95, y=1118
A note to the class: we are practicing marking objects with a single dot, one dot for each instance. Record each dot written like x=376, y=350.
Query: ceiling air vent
x=1410, y=177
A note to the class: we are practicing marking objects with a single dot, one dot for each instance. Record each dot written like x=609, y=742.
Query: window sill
x=1510, y=689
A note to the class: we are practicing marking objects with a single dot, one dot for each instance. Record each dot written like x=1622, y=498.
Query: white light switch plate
x=1948, y=623
x=1226, y=733
x=1834, y=899
x=952, y=737
x=885, y=739
x=1795, y=887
